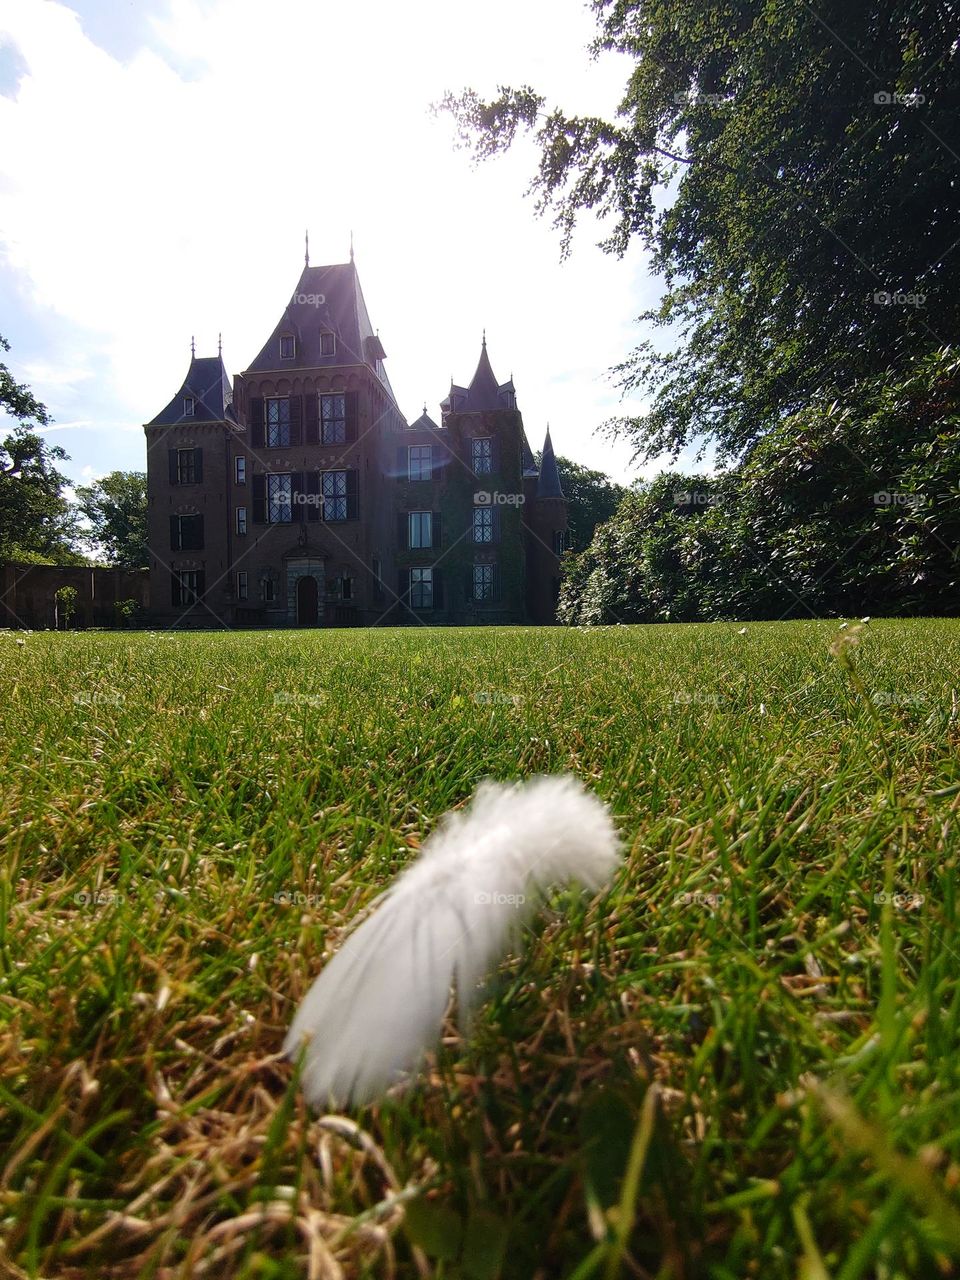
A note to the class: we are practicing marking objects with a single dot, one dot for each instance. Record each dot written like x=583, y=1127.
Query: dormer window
x=189, y=405
x=287, y=347
x=328, y=343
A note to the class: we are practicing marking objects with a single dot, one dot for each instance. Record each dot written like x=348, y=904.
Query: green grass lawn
x=743, y=1060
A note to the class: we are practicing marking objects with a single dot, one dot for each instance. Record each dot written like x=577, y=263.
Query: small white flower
x=742, y=631
x=843, y=626
x=865, y=620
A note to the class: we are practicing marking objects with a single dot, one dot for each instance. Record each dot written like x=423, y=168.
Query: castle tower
x=485, y=498
x=309, y=485
x=188, y=458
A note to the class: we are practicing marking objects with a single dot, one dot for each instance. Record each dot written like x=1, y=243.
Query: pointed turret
x=484, y=391
x=206, y=394
x=548, y=484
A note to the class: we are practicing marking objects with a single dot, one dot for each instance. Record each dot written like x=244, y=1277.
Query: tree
x=592, y=496
x=794, y=177
x=130, y=613
x=116, y=507
x=654, y=561
x=36, y=521
x=66, y=598
x=850, y=507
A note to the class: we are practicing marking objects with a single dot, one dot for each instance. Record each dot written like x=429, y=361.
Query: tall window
x=560, y=541
x=278, y=422
x=189, y=406
x=333, y=419
x=483, y=524
x=269, y=592
x=242, y=585
x=240, y=463
x=328, y=343
x=287, y=348
x=241, y=520
x=334, y=494
x=481, y=454
x=420, y=462
x=279, y=499
x=421, y=529
x=421, y=588
x=187, y=586
x=187, y=466
x=186, y=533
x=483, y=581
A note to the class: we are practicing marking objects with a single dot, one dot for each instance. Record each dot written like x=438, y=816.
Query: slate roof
x=325, y=298
x=423, y=423
x=548, y=485
x=484, y=390
x=209, y=383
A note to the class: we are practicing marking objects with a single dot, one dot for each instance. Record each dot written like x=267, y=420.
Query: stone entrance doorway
x=305, y=579
x=308, y=601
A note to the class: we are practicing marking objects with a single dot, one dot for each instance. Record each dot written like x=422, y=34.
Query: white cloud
x=167, y=194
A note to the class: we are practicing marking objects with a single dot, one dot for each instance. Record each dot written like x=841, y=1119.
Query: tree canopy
x=794, y=175
x=37, y=521
x=592, y=497
x=116, y=507
x=850, y=507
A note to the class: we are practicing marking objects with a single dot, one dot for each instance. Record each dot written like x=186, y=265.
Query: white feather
x=448, y=918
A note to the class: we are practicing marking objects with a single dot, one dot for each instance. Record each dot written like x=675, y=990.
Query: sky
x=161, y=161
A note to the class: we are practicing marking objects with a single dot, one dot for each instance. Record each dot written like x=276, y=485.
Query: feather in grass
x=446, y=920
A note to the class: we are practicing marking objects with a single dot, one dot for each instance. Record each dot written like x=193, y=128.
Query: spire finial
x=484, y=335
x=306, y=248
x=424, y=406
x=193, y=347
x=351, y=246
x=219, y=344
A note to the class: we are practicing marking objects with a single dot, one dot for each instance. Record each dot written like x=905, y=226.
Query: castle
x=300, y=496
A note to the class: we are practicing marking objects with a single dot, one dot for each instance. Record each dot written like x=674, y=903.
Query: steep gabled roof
x=209, y=384
x=548, y=484
x=325, y=299
x=423, y=423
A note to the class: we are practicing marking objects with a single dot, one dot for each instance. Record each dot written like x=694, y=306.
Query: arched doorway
x=308, y=614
